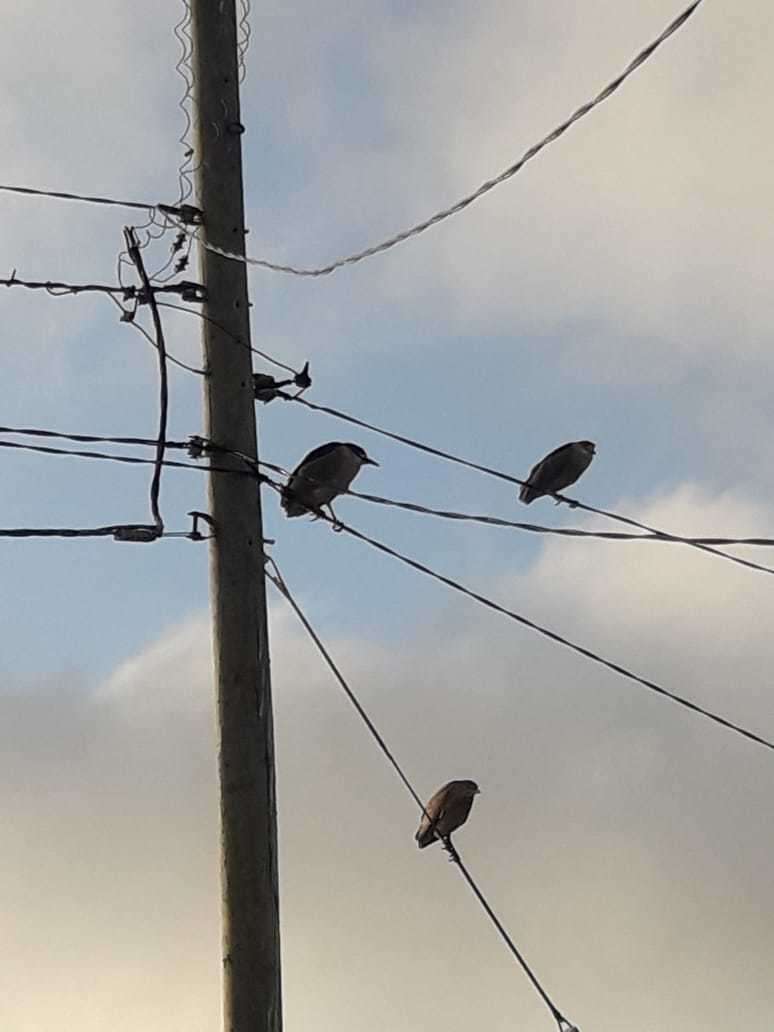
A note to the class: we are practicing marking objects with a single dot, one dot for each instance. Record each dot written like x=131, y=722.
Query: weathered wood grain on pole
x=251, y=957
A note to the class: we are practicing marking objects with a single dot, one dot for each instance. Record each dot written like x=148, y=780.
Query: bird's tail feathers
x=426, y=837
x=291, y=505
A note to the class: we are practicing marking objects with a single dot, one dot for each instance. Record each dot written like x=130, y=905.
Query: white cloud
x=621, y=840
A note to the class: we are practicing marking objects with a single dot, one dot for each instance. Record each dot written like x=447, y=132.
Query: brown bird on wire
x=446, y=811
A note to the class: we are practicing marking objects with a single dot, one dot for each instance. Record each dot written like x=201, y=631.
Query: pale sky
x=617, y=289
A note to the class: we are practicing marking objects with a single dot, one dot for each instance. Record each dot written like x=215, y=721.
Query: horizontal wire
x=552, y=635
x=279, y=583
x=86, y=198
x=128, y=459
x=606, y=535
x=490, y=184
x=58, y=288
x=87, y=438
x=91, y=532
x=194, y=441
x=499, y=475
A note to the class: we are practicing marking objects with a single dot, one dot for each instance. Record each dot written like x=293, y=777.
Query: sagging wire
x=490, y=184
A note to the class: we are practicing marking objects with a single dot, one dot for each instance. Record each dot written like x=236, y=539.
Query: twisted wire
x=490, y=184
x=184, y=69
x=534, y=528
x=245, y=32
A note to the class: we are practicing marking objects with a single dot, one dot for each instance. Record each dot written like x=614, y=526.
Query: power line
x=277, y=580
x=605, y=535
x=130, y=316
x=139, y=532
x=500, y=475
x=552, y=635
x=490, y=184
x=184, y=288
x=184, y=69
x=195, y=445
x=132, y=246
x=185, y=212
x=88, y=438
x=231, y=336
x=245, y=33
x=129, y=459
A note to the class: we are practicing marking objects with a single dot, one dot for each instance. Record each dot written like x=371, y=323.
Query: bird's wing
x=548, y=467
x=434, y=811
x=317, y=453
x=556, y=452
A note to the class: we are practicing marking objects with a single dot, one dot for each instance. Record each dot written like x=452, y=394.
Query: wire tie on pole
x=142, y=533
x=188, y=214
x=196, y=534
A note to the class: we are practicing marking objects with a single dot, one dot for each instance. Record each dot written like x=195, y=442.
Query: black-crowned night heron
x=557, y=470
x=321, y=476
x=446, y=811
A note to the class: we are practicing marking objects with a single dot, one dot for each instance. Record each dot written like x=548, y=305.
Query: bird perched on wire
x=557, y=470
x=446, y=811
x=321, y=476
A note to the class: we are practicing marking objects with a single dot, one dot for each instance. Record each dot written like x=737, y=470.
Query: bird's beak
x=477, y=792
x=371, y=462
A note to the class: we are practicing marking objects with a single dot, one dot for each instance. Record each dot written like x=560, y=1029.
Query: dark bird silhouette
x=321, y=476
x=557, y=470
x=446, y=811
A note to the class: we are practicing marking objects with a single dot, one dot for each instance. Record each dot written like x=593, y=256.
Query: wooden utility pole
x=251, y=956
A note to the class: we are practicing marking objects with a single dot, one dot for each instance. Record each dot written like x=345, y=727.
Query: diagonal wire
x=498, y=474
x=552, y=635
x=232, y=336
x=490, y=184
x=277, y=580
x=534, y=528
x=141, y=329
x=135, y=255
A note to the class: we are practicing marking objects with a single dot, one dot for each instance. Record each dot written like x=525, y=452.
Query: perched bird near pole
x=446, y=811
x=321, y=476
x=557, y=470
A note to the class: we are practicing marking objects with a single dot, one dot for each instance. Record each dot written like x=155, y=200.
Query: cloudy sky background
x=617, y=289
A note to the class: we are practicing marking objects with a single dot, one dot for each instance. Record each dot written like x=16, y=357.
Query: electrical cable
x=552, y=635
x=277, y=580
x=490, y=184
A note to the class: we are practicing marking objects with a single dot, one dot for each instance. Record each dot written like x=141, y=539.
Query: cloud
x=622, y=841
